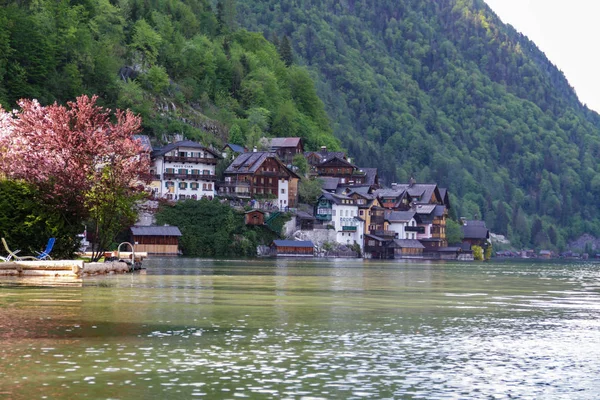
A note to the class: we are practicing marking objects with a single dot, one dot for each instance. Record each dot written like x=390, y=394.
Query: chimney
x=411, y=182
x=254, y=149
x=323, y=149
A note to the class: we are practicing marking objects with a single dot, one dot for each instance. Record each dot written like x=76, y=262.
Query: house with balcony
x=184, y=170
x=260, y=175
x=342, y=213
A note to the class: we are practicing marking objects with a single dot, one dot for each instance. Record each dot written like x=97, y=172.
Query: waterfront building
x=184, y=170
x=156, y=240
x=342, y=214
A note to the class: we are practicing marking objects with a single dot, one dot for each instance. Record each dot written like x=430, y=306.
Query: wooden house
x=407, y=248
x=156, y=240
x=254, y=217
x=475, y=233
x=261, y=175
x=293, y=248
x=287, y=148
x=337, y=167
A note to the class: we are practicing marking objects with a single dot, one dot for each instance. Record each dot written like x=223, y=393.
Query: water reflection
x=313, y=329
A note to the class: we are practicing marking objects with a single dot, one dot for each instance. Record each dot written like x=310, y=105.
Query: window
x=204, y=186
x=206, y=172
x=209, y=186
x=182, y=185
x=183, y=171
x=195, y=172
x=194, y=185
x=362, y=213
x=169, y=170
x=270, y=180
x=282, y=191
x=169, y=184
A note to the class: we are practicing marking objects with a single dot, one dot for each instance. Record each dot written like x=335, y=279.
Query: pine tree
x=285, y=51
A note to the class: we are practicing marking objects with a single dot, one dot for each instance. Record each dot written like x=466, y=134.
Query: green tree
x=299, y=161
x=285, y=51
x=309, y=190
x=454, y=232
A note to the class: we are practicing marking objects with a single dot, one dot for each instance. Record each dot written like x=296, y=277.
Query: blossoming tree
x=82, y=159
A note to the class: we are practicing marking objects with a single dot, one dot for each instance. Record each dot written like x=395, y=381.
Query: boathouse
x=295, y=248
x=156, y=240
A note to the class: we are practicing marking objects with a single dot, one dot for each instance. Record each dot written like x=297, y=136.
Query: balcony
x=232, y=184
x=418, y=229
x=195, y=177
x=323, y=217
x=177, y=159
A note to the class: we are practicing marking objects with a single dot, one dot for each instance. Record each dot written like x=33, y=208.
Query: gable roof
x=155, y=231
x=475, y=230
x=399, y=216
x=337, y=198
x=340, y=160
x=285, y=142
x=236, y=148
x=325, y=155
x=370, y=176
x=330, y=183
x=425, y=208
x=249, y=163
x=184, y=143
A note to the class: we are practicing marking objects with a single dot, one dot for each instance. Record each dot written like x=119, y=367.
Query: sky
x=567, y=31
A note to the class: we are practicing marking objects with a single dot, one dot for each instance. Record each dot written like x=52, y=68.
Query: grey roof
x=408, y=244
x=293, y=243
x=336, y=198
x=378, y=238
x=235, y=147
x=439, y=211
x=304, y=215
x=249, y=163
x=184, y=143
x=422, y=190
x=330, y=183
x=145, y=142
x=370, y=175
x=399, y=216
x=454, y=249
x=285, y=142
x=325, y=155
x=340, y=159
x=425, y=208
x=155, y=231
x=475, y=230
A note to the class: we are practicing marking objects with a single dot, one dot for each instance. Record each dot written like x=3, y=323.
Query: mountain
x=442, y=90
x=175, y=62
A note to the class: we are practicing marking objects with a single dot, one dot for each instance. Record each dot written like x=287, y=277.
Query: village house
x=431, y=205
x=254, y=217
x=232, y=149
x=341, y=213
x=184, y=170
x=475, y=233
x=260, y=175
x=287, y=148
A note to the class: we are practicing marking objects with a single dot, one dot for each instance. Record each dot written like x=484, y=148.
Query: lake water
x=298, y=329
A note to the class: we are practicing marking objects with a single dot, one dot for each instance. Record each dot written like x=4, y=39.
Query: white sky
x=567, y=31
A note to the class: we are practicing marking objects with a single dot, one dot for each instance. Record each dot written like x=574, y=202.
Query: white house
x=341, y=212
x=184, y=170
x=403, y=223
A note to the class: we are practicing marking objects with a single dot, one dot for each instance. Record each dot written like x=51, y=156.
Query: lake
x=309, y=329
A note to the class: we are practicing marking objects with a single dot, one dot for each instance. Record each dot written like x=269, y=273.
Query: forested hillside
x=177, y=63
x=444, y=91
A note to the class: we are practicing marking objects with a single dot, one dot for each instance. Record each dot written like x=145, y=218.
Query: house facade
x=287, y=148
x=342, y=213
x=260, y=175
x=184, y=170
x=156, y=240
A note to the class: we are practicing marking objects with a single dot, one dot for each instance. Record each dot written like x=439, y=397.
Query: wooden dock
x=61, y=268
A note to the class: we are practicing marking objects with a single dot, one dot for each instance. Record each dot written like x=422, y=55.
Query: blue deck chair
x=45, y=255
